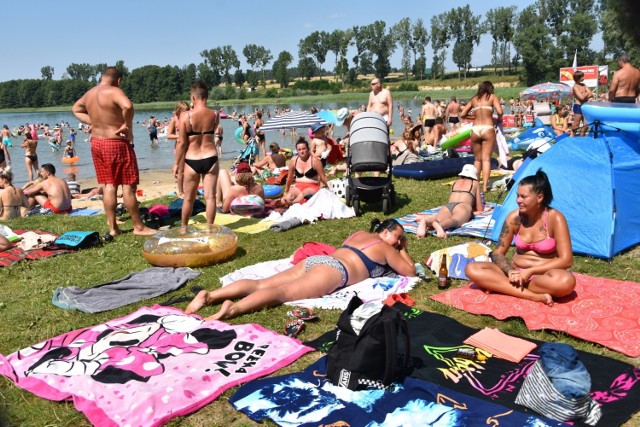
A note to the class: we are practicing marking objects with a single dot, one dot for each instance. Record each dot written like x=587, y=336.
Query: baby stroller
x=247, y=154
x=369, y=151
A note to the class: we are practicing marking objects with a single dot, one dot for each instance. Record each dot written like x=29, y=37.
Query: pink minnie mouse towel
x=148, y=367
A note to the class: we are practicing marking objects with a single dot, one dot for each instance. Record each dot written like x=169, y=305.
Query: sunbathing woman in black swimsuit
x=463, y=200
x=197, y=150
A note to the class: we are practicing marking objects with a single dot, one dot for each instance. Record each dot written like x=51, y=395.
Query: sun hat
x=469, y=171
x=317, y=126
x=342, y=115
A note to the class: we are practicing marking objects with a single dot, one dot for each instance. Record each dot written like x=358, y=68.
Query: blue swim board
x=436, y=169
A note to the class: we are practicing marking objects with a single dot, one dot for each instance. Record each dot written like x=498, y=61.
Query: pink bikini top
x=544, y=247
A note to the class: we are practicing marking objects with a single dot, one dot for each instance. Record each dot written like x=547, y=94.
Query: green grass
x=27, y=315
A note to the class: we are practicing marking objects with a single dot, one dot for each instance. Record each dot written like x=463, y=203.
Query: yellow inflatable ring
x=196, y=247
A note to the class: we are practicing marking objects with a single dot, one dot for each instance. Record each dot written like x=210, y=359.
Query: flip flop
x=196, y=289
x=293, y=327
x=302, y=313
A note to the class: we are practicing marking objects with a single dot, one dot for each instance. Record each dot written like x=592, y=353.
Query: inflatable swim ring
x=197, y=247
x=237, y=135
x=247, y=205
x=455, y=137
x=272, y=191
x=70, y=160
x=288, y=153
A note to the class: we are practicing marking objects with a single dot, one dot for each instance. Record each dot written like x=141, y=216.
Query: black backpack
x=370, y=359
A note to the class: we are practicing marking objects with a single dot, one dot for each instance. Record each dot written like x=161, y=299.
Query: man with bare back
x=109, y=112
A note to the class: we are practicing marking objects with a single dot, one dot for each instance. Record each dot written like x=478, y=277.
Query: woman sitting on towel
x=463, y=201
x=308, y=173
x=361, y=256
x=538, y=270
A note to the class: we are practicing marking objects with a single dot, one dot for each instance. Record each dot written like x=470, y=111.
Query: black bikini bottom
x=201, y=166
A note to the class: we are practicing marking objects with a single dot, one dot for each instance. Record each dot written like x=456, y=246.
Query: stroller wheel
x=347, y=195
x=385, y=206
x=356, y=207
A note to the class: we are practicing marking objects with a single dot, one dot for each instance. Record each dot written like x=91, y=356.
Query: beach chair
x=369, y=151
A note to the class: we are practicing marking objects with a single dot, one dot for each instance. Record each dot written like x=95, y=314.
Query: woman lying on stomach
x=538, y=270
x=361, y=256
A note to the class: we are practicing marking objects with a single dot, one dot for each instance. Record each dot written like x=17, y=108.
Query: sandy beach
x=154, y=183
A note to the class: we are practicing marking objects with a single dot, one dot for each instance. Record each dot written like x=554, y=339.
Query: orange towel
x=501, y=345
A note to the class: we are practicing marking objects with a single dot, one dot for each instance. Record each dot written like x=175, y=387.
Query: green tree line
x=533, y=42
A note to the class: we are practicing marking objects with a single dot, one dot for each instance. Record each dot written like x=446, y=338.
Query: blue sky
x=42, y=32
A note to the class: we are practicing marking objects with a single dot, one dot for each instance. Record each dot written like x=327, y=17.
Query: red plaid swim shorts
x=115, y=161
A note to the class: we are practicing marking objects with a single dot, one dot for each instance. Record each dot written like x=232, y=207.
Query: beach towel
x=307, y=398
x=16, y=254
x=149, y=283
x=480, y=226
x=377, y=289
x=149, y=366
x=238, y=223
x=85, y=212
x=435, y=339
x=323, y=205
x=603, y=311
x=458, y=257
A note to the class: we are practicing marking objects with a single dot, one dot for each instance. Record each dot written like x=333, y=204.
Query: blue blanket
x=307, y=398
x=480, y=226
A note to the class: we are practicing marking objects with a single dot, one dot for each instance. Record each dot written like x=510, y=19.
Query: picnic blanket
x=377, y=289
x=435, y=339
x=148, y=367
x=134, y=287
x=480, y=226
x=603, y=311
x=15, y=254
x=308, y=398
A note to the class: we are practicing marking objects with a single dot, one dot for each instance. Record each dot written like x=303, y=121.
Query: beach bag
x=372, y=357
x=542, y=389
x=339, y=187
x=280, y=179
x=75, y=240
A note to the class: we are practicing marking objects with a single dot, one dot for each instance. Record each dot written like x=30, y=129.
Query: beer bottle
x=443, y=274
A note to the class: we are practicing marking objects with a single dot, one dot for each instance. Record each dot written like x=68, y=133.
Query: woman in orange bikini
x=483, y=134
x=538, y=270
x=308, y=173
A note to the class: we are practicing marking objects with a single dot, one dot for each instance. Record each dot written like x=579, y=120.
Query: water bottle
x=421, y=272
x=482, y=198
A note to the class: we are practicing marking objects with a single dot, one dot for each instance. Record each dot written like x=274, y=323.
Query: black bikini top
x=192, y=132
x=311, y=173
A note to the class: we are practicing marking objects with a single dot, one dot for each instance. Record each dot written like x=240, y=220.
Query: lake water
x=157, y=156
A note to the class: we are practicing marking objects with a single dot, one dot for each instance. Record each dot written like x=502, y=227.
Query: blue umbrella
x=292, y=120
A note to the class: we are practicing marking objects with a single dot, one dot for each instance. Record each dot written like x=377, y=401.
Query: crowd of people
x=538, y=270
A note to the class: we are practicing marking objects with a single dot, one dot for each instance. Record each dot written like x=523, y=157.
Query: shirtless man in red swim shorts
x=110, y=113
x=51, y=193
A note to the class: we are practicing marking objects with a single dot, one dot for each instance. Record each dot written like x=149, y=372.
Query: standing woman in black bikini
x=463, y=201
x=483, y=134
x=538, y=270
x=308, y=173
x=366, y=255
x=196, y=153
x=30, y=156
